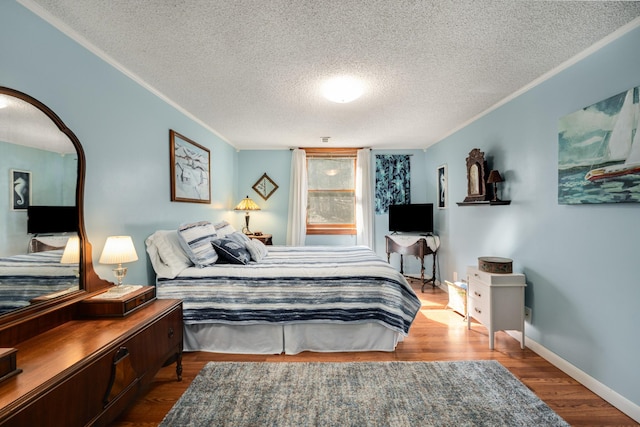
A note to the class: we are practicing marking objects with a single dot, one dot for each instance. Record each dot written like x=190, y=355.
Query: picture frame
x=190, y=170
x=20, y=189
x=443, y=197
x=599, y=152
x=265, y=186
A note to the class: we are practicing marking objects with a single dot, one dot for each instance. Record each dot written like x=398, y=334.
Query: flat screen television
x=415, y=218
x=52, y=219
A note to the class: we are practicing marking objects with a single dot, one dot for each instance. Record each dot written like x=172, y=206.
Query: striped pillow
x=223, y=229
x=196, y=239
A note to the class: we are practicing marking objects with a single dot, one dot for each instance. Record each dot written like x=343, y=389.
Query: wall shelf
x=486, y=203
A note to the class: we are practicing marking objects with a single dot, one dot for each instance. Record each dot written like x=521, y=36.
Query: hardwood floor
x=437, y=334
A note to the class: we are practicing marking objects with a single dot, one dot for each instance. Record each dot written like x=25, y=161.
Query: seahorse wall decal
x=20, y=188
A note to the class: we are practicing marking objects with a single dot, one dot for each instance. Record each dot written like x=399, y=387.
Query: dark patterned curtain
x=393, y=181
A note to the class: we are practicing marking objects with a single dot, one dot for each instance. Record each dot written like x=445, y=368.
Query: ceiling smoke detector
x=325, y=139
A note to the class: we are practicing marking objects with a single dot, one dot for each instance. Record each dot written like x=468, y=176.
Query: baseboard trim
x=617, y=400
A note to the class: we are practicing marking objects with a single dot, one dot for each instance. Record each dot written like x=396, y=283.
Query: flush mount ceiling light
x=342, y=89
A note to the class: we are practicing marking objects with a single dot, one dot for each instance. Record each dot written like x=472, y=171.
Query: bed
x=289, y=300
x=34, y=275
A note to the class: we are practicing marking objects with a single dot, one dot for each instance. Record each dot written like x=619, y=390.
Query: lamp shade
x=71, y=254
x=247, y=204
x=494, y=176
x=118, y=250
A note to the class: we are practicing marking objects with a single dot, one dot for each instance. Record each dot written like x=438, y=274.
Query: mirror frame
x=89, y=281
x=476, y=171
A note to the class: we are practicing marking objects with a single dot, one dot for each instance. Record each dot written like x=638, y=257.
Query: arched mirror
x=45, y=258
x=476, y=181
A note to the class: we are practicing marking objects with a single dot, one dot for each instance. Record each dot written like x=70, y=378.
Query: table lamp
x=495, y=178
x=247, y=205
x=118, y=250
x=71, y=253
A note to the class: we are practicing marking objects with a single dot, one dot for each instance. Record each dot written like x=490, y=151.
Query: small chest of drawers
x=496, y=301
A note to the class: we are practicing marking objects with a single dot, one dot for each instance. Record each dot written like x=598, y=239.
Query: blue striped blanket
x=24, y=277
x=310, y=284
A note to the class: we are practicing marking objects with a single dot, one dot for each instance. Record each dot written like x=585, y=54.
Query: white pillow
x=196, y=239
x=223, y=229
x=256, y=249
x=166, y=254
x=239, y=237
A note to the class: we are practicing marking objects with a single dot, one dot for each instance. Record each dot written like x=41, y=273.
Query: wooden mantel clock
x=476, y=179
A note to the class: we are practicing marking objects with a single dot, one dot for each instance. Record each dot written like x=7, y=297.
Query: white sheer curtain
x=364, y=199
x=297, y=224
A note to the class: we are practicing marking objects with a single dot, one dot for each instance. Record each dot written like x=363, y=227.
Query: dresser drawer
x=495, y=279
x=156, y=343
x=477, y=290
x=479, y=302
x=145, y=352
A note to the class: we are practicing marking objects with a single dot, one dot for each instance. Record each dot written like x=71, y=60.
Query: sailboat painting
x=599, y=152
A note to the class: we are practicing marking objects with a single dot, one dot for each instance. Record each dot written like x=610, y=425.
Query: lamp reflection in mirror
x=71, y=253
x=118, y=250
x=247, y=205
x=495, y=178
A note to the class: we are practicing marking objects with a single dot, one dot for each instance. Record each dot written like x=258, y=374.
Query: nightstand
x=496, y=301
x=264, y=238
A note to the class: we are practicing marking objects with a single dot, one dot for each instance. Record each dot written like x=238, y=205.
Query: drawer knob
x=477, y=310
x=170, y=332
x=477, y=294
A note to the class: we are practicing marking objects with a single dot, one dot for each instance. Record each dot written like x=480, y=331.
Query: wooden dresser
x=87, y=371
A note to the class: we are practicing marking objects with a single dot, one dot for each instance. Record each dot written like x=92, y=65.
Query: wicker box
x=495, y=265
x=457, y=297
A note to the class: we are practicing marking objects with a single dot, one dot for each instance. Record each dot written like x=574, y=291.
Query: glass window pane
x=331, y=207
x=331, y=174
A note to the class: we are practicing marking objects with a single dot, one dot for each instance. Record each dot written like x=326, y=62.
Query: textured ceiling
x=251, y=69
x=23, y=124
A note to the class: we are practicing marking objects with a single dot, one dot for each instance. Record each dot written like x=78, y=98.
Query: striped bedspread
x=310, y=284
x=24, y=277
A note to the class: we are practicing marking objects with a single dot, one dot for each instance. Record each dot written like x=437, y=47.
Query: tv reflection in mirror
x=412, y=218
x=50, y=267
x=52, y=219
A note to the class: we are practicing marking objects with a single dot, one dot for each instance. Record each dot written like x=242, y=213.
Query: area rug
x=469, y=393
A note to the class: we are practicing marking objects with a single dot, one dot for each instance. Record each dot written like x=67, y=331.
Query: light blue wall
x=124, y=130
x=580, y=261
x=272, y=218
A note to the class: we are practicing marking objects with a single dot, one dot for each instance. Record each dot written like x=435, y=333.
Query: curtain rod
x=329, y=148
x=324, y=148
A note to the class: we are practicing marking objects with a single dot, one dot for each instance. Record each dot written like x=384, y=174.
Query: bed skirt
x=289, y=339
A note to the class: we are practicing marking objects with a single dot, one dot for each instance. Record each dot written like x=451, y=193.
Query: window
x=331, y=197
